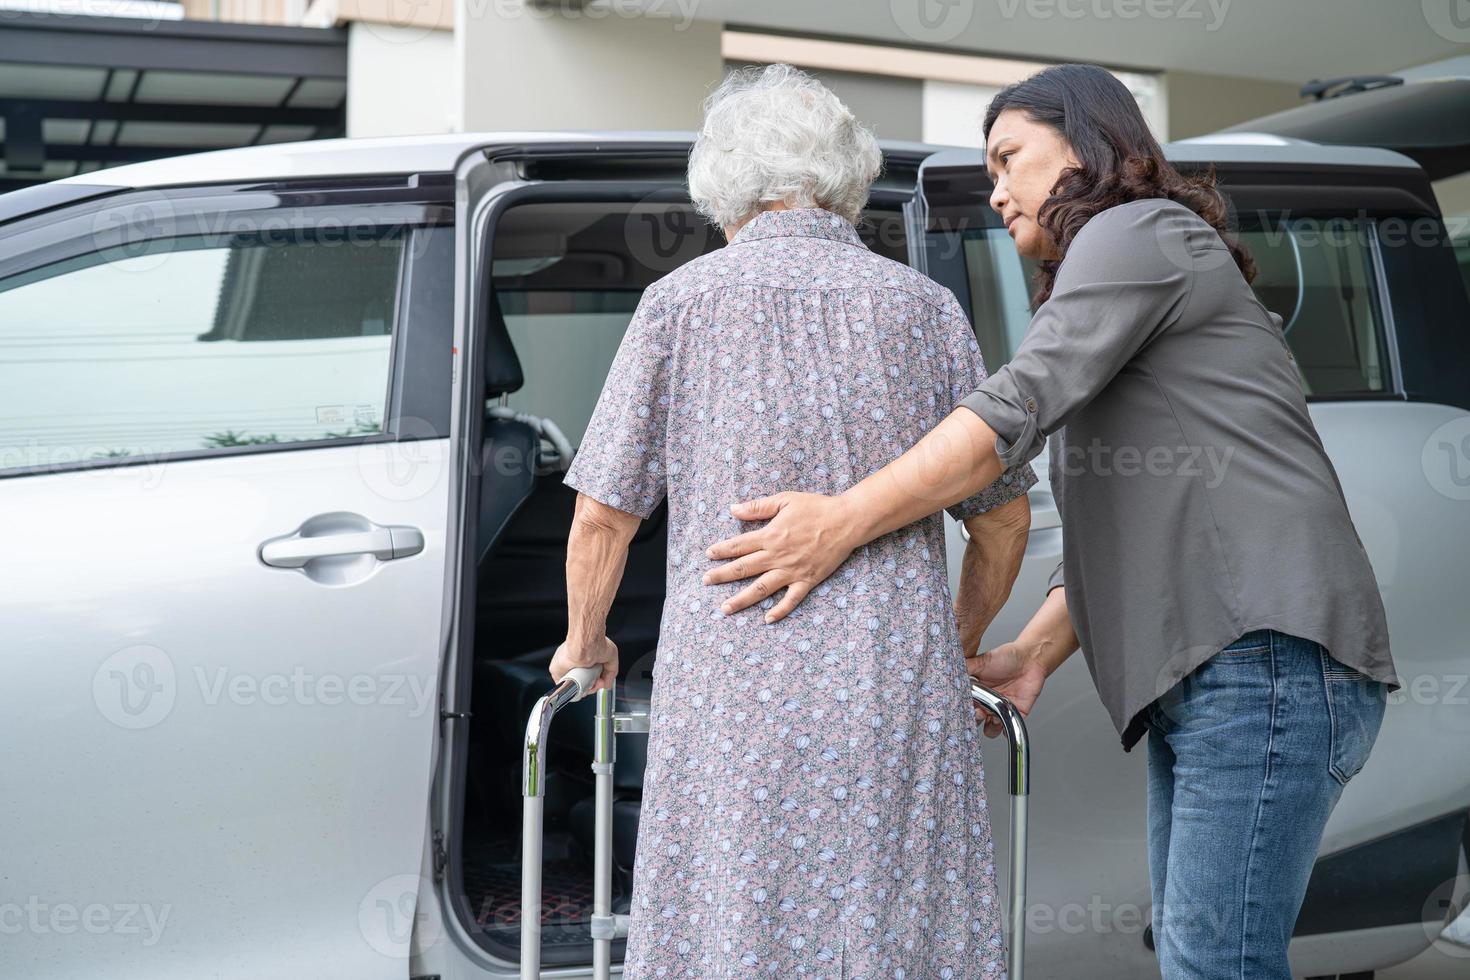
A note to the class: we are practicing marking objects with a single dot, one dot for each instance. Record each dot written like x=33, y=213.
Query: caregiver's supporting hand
x=1017, y=670
x=809, y=534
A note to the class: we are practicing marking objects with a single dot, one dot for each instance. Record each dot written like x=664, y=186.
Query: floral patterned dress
x=814, y=799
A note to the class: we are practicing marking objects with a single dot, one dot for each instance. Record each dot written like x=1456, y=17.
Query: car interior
x=566, y=279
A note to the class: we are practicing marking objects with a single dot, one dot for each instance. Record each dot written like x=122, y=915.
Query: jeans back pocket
x=1256, y=641
x=1355, y=706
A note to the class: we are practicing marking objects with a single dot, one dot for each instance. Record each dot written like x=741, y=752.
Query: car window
x=197, y=342
x=1453, y=194
x=565, y=340
x=568, y=278
x=1317, y=274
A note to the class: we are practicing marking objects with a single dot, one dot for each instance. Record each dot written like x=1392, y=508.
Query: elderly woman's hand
x=601, y=652
x=807, y=537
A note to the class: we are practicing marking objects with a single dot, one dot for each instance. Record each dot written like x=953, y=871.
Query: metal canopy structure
x=78, y=93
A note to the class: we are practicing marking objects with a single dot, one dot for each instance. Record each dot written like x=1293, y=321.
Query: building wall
x=400, y=80
x=520, y=68
x=1200, y=104
x=913, y=93
x=441, y=66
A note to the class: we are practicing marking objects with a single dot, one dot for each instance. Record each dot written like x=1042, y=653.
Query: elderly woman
x=814, y=800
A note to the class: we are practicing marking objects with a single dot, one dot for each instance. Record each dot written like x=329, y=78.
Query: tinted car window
x=197, y=342
x=1318, y=275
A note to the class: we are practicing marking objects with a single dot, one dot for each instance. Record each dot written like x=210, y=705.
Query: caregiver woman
x=1210, y=570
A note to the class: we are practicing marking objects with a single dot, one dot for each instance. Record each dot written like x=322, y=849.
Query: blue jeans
x=1247, y=756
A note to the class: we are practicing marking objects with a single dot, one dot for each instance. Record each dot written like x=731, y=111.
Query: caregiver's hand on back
x=797, y=550
x=809, y=534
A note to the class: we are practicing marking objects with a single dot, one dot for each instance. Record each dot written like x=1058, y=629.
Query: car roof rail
x=1347, y=85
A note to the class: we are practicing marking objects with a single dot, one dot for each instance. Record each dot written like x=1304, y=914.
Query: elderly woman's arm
x=597, y=551
x=989, y=567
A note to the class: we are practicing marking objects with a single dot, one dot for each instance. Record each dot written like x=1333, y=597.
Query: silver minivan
x=281, y=446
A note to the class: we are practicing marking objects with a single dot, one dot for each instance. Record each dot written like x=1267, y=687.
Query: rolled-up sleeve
x=621, y=459
x=965, y=369
x=1126, y=276
x=1054, y=581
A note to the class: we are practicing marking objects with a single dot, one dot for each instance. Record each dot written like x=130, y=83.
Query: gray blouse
x=1197, y=501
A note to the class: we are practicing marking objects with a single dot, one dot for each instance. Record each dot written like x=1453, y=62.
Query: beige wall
x=524, y=69
x=1200, y=104
x=245, y=11
x=400, y=80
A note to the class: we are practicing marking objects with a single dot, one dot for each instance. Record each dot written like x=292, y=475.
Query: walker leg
x=604, y=755
x=573, y=687
x=1019, y=784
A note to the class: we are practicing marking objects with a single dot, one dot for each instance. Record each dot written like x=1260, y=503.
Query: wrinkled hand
x=602, y=652
x=1010, y=671
x=807, y=537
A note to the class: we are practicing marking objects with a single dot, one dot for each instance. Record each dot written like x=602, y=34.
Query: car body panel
x=237, y=752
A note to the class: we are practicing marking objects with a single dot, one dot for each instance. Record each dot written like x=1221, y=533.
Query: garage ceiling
x=79, y=93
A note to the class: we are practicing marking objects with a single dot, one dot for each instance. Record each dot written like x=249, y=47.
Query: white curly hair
x=777, y=134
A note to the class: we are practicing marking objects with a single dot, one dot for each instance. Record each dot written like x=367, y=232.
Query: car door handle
x=384, y=543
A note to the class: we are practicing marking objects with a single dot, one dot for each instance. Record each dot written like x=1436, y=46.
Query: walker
x=606, y=926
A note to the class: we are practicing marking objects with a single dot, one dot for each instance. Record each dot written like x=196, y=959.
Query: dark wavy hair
x=1120, y=159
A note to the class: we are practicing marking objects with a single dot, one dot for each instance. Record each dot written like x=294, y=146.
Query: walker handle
x=584, y=678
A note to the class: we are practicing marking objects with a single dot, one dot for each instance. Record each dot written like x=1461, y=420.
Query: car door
x=225, y=491
x=1353, y=254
